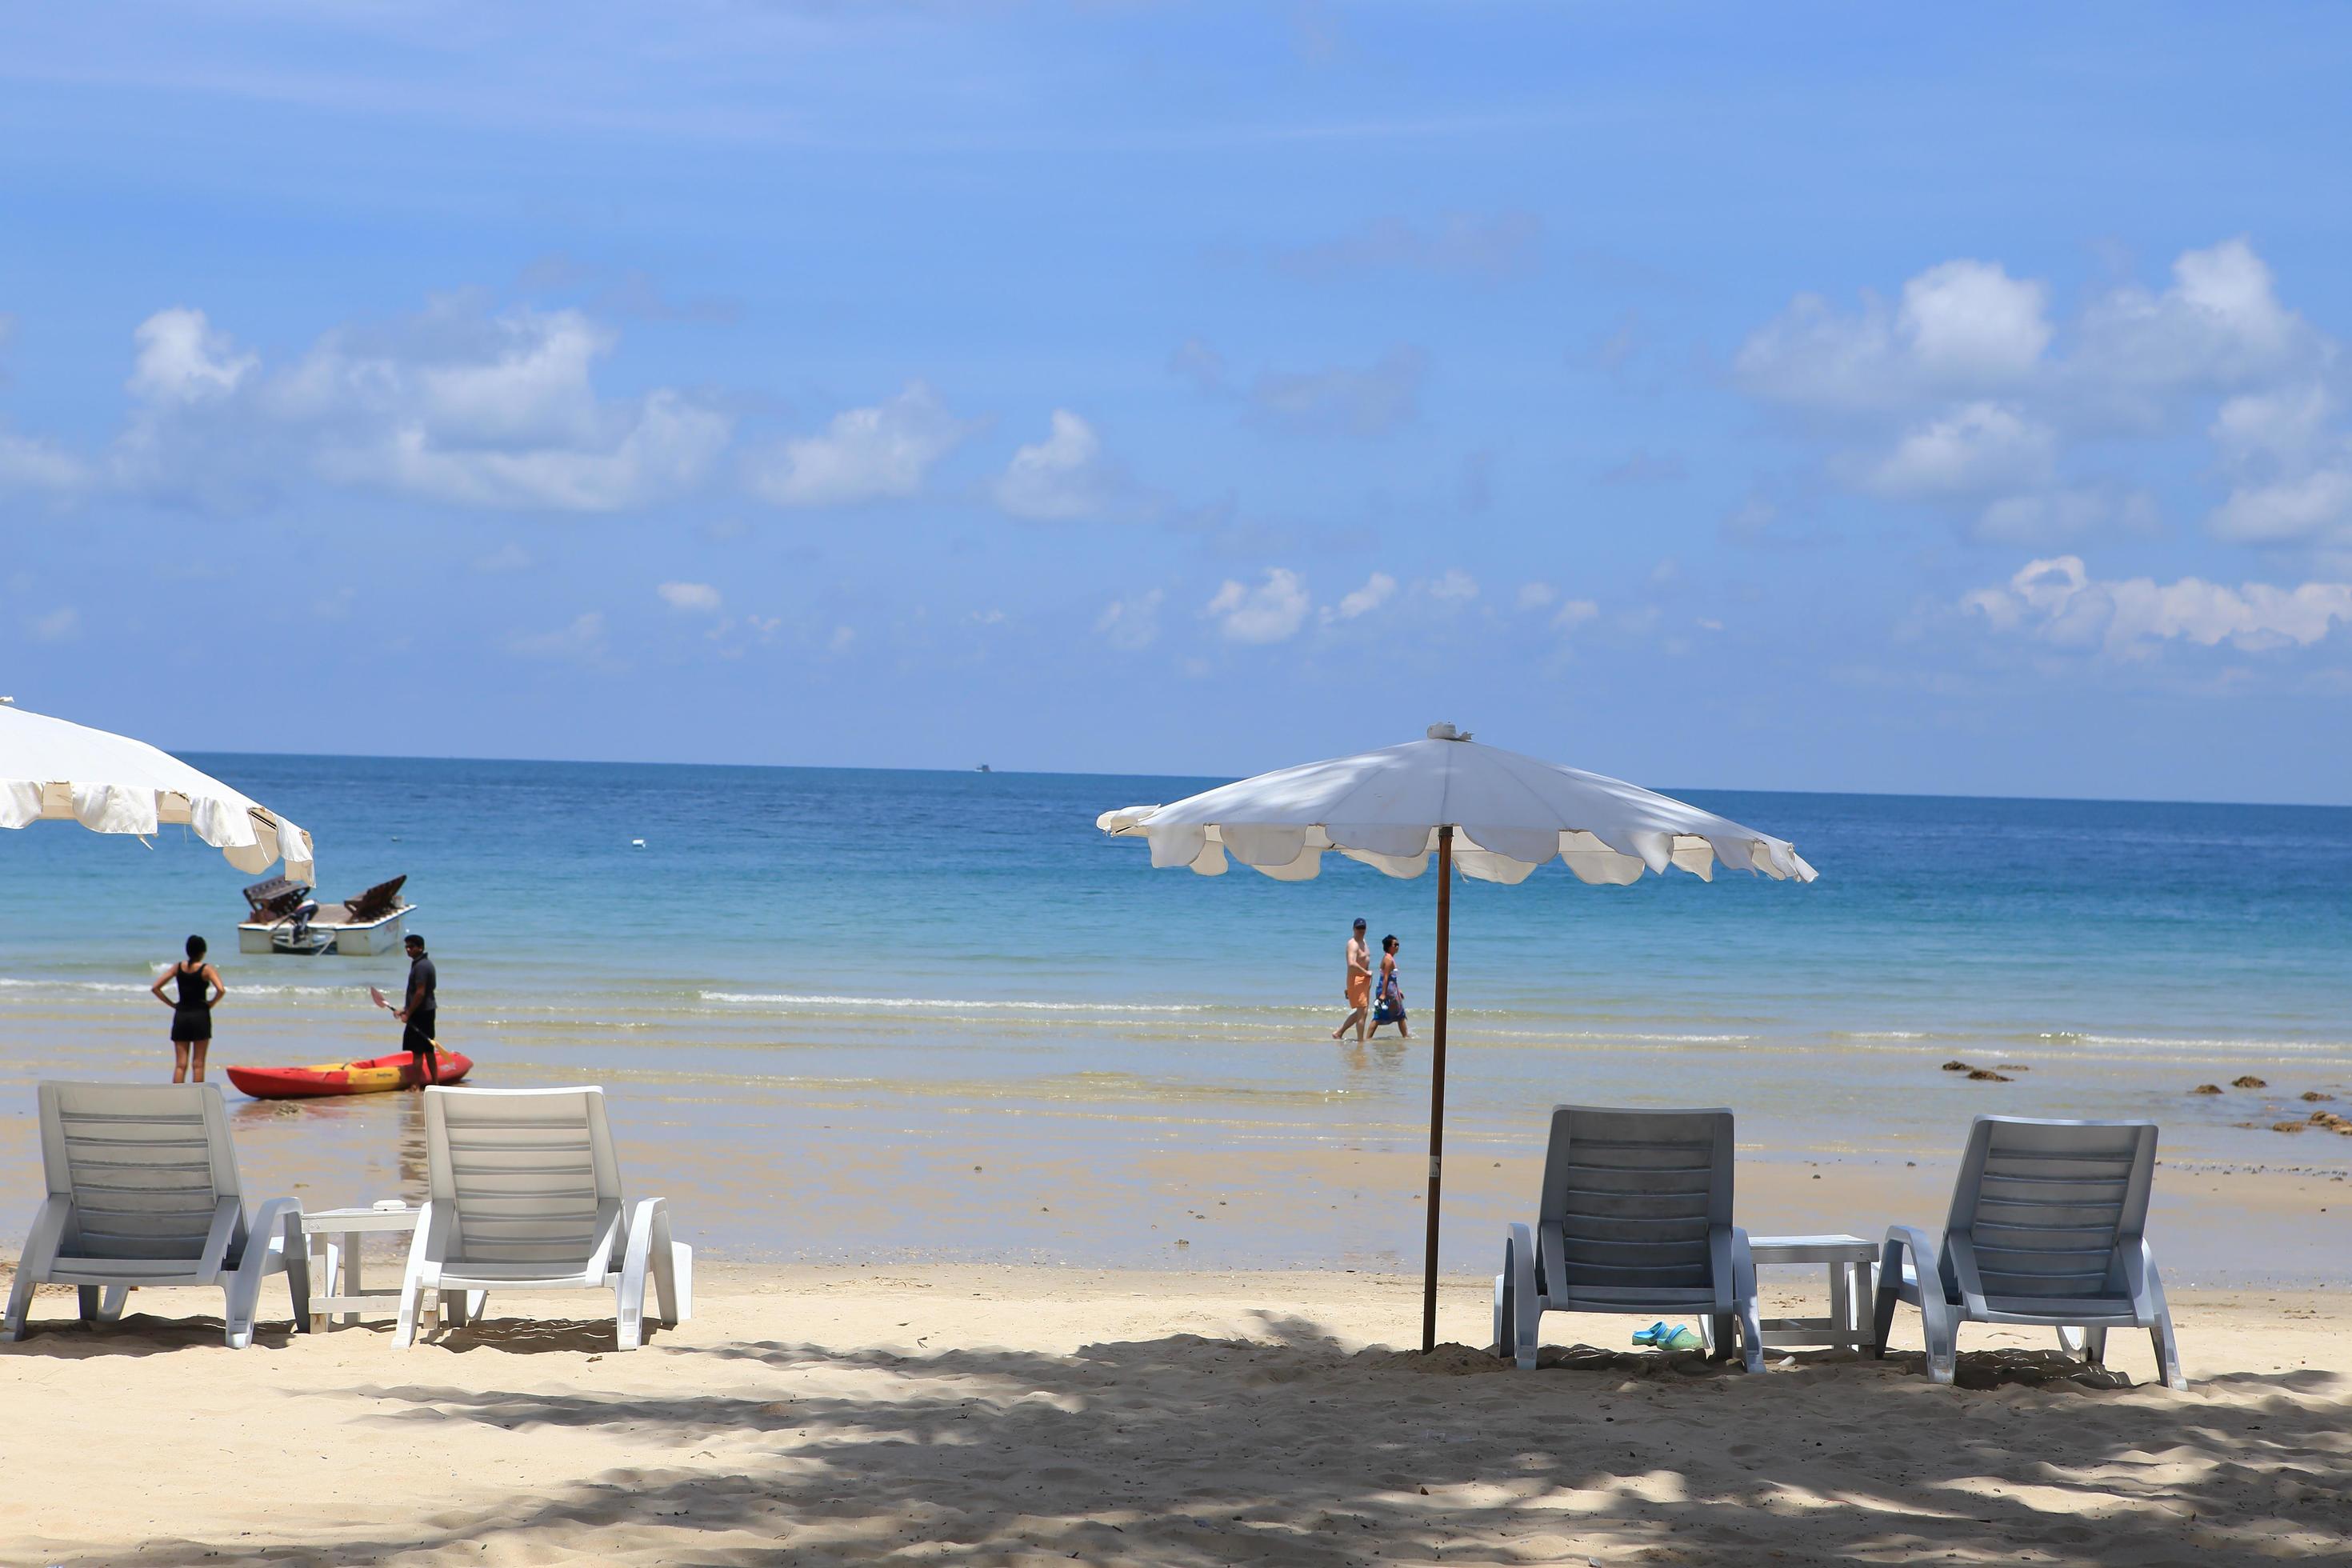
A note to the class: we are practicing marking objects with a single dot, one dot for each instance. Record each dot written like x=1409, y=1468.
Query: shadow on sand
x=1192, y=1452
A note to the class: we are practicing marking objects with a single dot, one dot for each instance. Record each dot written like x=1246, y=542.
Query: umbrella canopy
x=1495, y=814
x=54, y=771
x=1510, y=814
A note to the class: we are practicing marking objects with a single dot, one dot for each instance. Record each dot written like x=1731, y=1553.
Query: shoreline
x=1012, y=1414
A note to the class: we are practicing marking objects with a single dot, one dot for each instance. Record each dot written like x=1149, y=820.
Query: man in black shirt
x=417, y=1014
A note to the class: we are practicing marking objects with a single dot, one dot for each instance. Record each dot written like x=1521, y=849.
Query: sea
x=829, y=991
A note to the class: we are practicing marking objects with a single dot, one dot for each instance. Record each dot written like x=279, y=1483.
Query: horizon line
x=1223, y=778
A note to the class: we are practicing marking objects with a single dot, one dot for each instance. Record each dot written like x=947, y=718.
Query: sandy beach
x=1000, y=1414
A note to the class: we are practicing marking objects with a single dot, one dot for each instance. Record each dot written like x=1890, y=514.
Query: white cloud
x=2065, y=513
x=2313, y=507
x=1269, y=612
x=841, y=640
x=694, y=598
x=1454, y=586
x=1574, y=613
x=2057, y=601
x=1063, y=478
x=491, y=410
x=1970, y=324
x=1960, y=396
x=1535, y=596
x=1977, y=449
x=2292, y=473
x=882, y=453
x=1963, y=325
x=2220, y=323
x=1347, y=400
x=1378, y=590
x=1133, y=623
x=581, y=642
x=34, y=463
x=182, y=359
x=60, y=625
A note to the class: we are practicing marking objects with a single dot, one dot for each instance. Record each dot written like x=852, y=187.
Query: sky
x=1830, y=397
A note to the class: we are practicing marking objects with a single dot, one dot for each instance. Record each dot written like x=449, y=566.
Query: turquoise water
x=904, y=958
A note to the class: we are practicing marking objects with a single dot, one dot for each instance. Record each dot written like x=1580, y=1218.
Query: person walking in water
x=192, y=1010
x=1359, y=985
x=1388, y=1008
x=417, y=1011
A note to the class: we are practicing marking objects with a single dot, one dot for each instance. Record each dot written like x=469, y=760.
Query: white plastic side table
x=1852, y=1265
x=345, y=1292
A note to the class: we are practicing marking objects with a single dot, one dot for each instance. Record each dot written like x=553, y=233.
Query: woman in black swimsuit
x=192, y=1010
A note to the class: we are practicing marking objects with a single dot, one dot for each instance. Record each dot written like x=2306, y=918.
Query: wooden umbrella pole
x=1437, y=1088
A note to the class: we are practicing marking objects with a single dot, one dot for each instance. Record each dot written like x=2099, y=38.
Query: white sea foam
x=943, y=1004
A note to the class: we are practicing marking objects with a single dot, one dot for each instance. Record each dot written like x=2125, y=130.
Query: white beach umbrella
x=53, y=771
x=1495, y=814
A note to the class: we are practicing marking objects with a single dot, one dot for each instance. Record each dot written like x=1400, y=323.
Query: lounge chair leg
x=110, y=1305
x=628, y=1315
x=1890, y=1295
x=1943, y=1351
x=20, y=1297
x=665, y=1268
x=2094, y=1346
x=86, y=1301
x=403, y=1327
x=1523, y=1308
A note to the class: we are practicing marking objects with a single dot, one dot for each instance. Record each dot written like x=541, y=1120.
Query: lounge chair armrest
x=1963, y=1253
x=44, y=1234
x=50, y=1222
x=1901, y=1238
x=228, y=1219
x=277, y=1227
x=1725, y=1245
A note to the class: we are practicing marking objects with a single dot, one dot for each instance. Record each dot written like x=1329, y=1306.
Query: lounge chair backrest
x=1635, y=1197
x=146, y=1165
x=529, y=1175
x=2050, y=1208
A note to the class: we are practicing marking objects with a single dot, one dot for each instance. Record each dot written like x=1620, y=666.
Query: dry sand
x=990, y=1415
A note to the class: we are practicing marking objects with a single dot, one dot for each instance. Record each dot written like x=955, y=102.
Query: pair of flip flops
x=1681, y=1337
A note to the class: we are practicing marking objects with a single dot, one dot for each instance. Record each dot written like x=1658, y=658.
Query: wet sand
x=1020, y=1415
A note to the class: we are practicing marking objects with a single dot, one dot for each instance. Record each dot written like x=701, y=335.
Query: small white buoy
x=636, y=844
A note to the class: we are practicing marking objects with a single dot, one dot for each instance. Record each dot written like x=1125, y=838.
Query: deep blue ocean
x=904, y=953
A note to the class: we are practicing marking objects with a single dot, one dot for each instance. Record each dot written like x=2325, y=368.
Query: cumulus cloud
x=1269, y=612
x=1535, y=596
x=1132, y=623
x=34, y=463
x=2291, y=470
x=1967, y=395
x=693, y=598
x=882, y=453
x=182, y=359
x=1963, y=325
x=1574, y=613
x=1367, y=401
x=2057, y=601
x=1063, y=477
x=1976, y=448
x=1454, y=586
x=1378, y=590
x=581, y=642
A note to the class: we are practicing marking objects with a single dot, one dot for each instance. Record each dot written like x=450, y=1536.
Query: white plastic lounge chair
x=1635, y=1216
x=143, y=1190
x=2045, y=1229
x=524, y=1192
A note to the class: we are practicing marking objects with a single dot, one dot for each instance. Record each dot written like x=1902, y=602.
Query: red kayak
x=374, y=1075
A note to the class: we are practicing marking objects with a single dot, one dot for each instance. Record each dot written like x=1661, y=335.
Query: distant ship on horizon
x=984, y=768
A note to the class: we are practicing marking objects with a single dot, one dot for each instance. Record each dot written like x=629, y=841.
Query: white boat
x=285, y=919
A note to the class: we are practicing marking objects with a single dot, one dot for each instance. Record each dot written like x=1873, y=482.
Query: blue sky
x=1809, y=397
